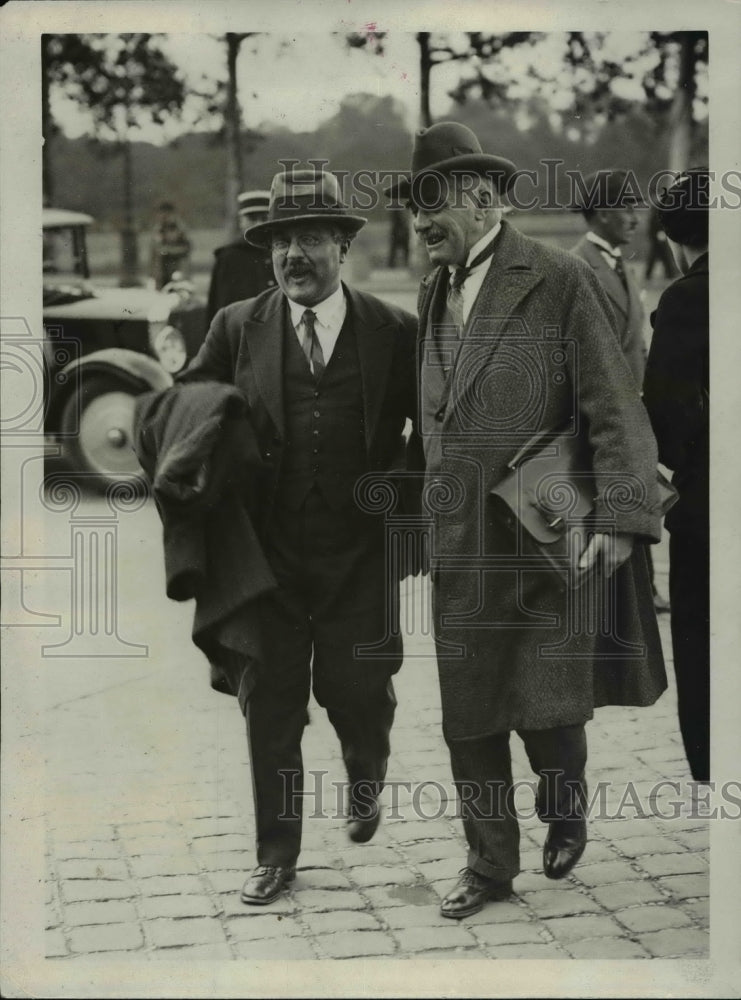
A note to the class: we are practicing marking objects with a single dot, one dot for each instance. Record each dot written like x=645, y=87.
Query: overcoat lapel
x=607, y=277
x=264, y=338
x=512, y=275
x=375, y=337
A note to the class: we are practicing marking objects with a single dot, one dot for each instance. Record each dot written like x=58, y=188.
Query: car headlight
x=168, y=344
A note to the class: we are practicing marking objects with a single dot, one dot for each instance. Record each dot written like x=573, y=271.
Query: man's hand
x=610, y=550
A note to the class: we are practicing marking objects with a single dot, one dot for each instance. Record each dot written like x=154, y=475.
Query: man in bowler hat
x=516, y=338
x=677, y=397
x=328, y=373
x=608, y=203
x=241, y=270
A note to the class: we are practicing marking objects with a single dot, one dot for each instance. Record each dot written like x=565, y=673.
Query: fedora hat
x=304, y=196
x=607, y=188
x=451, y=148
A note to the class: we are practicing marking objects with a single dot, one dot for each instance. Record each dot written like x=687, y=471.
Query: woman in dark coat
x=676, y=395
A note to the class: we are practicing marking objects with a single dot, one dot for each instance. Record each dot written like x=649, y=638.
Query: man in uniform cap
x=608, y=202
x=517, y=338
x=329, y=376
x=241, y=270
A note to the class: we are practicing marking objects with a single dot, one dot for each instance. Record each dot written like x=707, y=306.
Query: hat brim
x=631, y=202
x=260, y=235
x=498, y=168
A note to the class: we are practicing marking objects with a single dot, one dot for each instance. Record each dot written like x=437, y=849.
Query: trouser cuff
x=495, y=872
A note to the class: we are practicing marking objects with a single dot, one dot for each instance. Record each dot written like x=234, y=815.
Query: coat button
x=317, y=413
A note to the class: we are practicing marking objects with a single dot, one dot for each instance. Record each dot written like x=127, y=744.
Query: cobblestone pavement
x=150, y=831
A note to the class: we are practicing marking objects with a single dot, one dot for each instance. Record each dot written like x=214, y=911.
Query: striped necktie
x=455, y=292
x=311, y=346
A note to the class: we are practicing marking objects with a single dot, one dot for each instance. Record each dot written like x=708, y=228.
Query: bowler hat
x=253, y=201
x=683, y=208
x=304, y=196
x=452, y=148
x=607, y=188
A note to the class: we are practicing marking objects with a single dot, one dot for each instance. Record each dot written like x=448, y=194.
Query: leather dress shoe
x=471, y=892
x=265, y=884
x=360, y=829
x=563, y=846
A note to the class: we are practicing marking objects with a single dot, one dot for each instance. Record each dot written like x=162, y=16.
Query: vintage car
x=104, y=346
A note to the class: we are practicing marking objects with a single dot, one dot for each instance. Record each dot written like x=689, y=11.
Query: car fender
x=139, y=371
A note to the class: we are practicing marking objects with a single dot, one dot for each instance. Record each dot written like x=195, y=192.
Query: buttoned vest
x=325, y=434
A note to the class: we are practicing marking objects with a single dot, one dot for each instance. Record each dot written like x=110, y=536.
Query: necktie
x=311, y=346
x=455, y=293
x=617, y=265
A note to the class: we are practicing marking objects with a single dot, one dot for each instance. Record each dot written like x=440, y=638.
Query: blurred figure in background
x=676, y=394
x=658, y=248
x=609, y=209
x=241, y=271
x=399, y=238
x=170, y=245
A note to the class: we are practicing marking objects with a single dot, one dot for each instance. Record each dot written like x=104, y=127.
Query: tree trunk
x=129, y=245
x=425, y=65
x=680, y=113
x=233, y=129
x=47, y=130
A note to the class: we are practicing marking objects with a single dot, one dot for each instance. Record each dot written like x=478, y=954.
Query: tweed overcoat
x=515, y=649
x=626, y=304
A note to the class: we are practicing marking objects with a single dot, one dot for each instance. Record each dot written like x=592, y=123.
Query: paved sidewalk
x=150, y=833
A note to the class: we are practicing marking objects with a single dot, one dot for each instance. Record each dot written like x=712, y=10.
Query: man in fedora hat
x=241, y=270
x=329, y=376
x=608, y=202
x=516, y=339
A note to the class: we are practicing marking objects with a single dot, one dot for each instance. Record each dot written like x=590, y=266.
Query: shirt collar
x=603, y=244
x=485, y=240
x=326, y=312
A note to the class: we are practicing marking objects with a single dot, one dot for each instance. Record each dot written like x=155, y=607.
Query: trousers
x=482, y=772
x=331, y=602
x=689, y=592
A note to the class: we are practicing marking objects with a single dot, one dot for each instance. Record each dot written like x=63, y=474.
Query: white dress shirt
x=472, y=285
x=608, y=252
x=330, y=315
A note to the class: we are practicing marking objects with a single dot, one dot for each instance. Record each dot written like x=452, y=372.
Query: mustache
x=297, y=269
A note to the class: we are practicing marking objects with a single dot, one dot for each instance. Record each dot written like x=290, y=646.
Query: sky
x=298, y=81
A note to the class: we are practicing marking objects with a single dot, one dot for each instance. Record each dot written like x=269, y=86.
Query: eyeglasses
x=306, y=242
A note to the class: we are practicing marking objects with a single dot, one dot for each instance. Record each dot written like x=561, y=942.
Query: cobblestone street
x=150, y=832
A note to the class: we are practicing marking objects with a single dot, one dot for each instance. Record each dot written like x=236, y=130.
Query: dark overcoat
x=240, y=271
x=626, y=304
x=516, y=649
x=676, y=394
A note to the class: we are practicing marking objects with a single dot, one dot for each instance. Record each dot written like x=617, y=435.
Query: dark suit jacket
x=626, y=304
x=676, y=393
x=244, y=346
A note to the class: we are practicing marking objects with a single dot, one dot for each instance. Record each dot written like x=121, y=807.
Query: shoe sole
x=254, y=901
x=497, y=896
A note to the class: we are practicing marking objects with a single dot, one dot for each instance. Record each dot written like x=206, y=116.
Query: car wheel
x=99, y=421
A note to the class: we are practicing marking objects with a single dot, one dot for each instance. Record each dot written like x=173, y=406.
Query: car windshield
x=65, y=265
